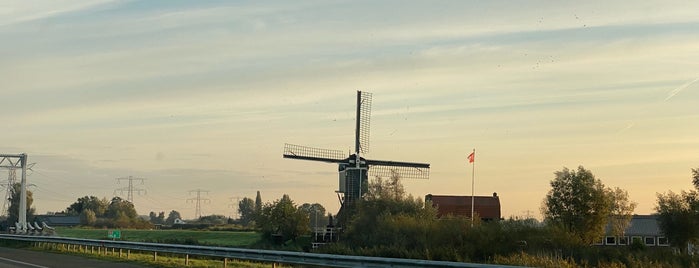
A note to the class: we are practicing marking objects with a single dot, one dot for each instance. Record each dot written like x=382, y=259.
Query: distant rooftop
x=53, y=220
x=487, y=207
x=641, y=225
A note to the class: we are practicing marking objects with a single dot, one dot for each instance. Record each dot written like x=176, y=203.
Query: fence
x=268, y=256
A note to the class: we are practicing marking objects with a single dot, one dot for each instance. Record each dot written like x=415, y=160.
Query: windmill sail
x=355, y=170
x=313, y=154
x=363, y=122
x=406, y=170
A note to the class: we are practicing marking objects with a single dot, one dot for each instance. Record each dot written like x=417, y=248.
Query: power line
x=235, y=206
x=130, y=189
x=198, y=201
x=11, y=179
x=20, y=163
x=12, y=167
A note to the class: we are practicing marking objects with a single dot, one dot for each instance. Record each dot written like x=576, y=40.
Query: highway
x=20, y=258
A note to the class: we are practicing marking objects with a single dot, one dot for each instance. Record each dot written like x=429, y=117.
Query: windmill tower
x=354, y=169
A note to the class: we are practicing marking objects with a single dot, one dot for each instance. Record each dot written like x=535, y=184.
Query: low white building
x=644, y=228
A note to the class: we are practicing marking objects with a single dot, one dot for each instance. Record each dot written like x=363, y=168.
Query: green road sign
x=114, y=234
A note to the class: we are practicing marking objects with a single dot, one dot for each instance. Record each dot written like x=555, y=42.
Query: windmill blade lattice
x=404, y=172
x=363, y=121
x=353, y=169
x=314, y=154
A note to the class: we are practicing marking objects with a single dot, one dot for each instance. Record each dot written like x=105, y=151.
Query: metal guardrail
x=272, y=256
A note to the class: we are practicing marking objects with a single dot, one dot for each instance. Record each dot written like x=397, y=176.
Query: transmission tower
x=235, y=206
x=20, y=162
x=11, y=180
x=198, y=201
x=129, y=189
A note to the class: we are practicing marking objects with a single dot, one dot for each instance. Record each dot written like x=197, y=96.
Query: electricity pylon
x=198, y=200
x=130, y=189
x=20, y=162
x=11, y=180
x=235, y=206
x=10, y=183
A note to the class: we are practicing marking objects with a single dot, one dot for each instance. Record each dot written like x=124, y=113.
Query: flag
x=471, y=157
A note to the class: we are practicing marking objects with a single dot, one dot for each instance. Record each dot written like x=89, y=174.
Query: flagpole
x=473, y=174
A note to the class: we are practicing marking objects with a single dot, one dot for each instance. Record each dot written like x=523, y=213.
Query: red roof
x=487, y=207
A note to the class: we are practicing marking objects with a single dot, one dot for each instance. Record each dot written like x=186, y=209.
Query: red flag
x=471, y=157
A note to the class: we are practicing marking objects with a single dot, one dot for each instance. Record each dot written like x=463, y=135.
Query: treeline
x=679, y=215
x=92, y=211
x=404, y=230
x=387, y=223
x=280, y=220
x=100, y=213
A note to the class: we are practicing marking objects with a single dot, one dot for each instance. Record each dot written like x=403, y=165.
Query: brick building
x=487, y=207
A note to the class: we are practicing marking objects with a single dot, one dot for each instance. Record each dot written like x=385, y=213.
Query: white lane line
x=23, y=263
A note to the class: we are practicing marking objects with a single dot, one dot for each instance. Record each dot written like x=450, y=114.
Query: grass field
x=211, y=238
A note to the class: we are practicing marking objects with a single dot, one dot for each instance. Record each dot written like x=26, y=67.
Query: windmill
x=354, y=169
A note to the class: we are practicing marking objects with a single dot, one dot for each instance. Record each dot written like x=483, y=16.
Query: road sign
x=114, y=234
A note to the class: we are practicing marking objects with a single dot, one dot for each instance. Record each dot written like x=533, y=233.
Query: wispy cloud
x=680, y=88
x=627, y=127
x=13, y=12
x=145, y=85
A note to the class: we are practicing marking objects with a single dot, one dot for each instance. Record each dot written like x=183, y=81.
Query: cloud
x=14, y=12
x=680, y=88
x=204, y=94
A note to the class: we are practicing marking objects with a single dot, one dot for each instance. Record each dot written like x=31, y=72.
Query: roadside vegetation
x=187, y=237
x=147, y=258
x=576, y=210
x=389, y=223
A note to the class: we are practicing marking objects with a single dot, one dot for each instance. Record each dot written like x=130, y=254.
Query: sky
x=203, y=95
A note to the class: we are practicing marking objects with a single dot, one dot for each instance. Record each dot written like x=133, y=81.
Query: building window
x=650, y=241
x=662, y=241
x=623, y=240
x=610, y=240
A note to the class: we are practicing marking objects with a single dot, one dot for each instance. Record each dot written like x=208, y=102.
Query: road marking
x=23, y=263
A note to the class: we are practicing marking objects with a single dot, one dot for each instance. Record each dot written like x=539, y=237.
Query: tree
x=15, y=197
x=98, y=206
x=258, y=203
x=579, y=203
x=246, y=209
x=386, y=189
x=213, y=219
x=388, y=219
x=678, y=216
x=156, y=218
x=172, y=217
x=315, y=211
x=120, y=208
x=621, y=211
x=161, y=217
x=282, y=218
x=88, y=218
x=121, y=220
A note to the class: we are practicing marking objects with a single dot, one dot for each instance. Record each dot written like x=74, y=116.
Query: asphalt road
x=20, y=258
